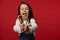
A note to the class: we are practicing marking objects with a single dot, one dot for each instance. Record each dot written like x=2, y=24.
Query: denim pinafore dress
x=26, y=36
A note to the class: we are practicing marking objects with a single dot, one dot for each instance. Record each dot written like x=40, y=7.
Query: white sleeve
x=32, y=26
x=17, y=26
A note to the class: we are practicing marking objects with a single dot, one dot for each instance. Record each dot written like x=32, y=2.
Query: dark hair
x=30, y=10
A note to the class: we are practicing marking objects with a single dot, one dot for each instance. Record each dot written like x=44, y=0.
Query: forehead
x=23, y=5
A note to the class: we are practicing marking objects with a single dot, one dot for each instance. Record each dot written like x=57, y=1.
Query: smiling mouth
x=25, y=14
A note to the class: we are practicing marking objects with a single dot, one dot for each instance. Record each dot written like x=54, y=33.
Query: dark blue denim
x=26, y=36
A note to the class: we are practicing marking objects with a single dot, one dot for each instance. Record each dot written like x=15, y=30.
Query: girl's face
x=24, y=11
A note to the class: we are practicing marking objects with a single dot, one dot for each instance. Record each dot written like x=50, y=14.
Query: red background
x=46, y=12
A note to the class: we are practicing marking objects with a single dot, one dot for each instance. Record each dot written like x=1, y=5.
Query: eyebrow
x=25, y=7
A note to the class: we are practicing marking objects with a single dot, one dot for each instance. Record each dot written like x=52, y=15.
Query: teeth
x=24, y=13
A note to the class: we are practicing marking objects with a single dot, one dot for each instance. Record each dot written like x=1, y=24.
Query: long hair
x=30, y=11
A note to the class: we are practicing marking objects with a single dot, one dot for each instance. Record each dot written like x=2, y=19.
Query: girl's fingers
x=22, y=26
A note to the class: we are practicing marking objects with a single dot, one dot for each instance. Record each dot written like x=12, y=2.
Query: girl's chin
x=24, y=17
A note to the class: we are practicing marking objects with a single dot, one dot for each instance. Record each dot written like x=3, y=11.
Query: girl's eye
x=21, y=9
x=26, y=8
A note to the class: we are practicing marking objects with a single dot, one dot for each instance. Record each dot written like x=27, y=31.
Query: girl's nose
x=24, y=10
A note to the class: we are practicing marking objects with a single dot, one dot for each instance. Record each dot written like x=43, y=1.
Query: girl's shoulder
x=17, y=20
x=32, y=20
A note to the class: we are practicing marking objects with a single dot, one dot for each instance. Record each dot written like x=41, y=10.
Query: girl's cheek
x=27, y=11
x=21, y=11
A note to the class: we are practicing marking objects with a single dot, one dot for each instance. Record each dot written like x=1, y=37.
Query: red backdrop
x=46, y=12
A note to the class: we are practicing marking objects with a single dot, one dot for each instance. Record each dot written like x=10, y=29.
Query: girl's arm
x=32, y=26
x=17, y=26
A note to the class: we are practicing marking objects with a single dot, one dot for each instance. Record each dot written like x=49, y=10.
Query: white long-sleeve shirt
x=32, y=25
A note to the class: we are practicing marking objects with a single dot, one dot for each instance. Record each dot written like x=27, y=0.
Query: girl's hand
x=22, y=27
x=26, y=28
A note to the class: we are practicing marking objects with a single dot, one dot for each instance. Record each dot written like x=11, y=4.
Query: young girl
x=25, y=23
